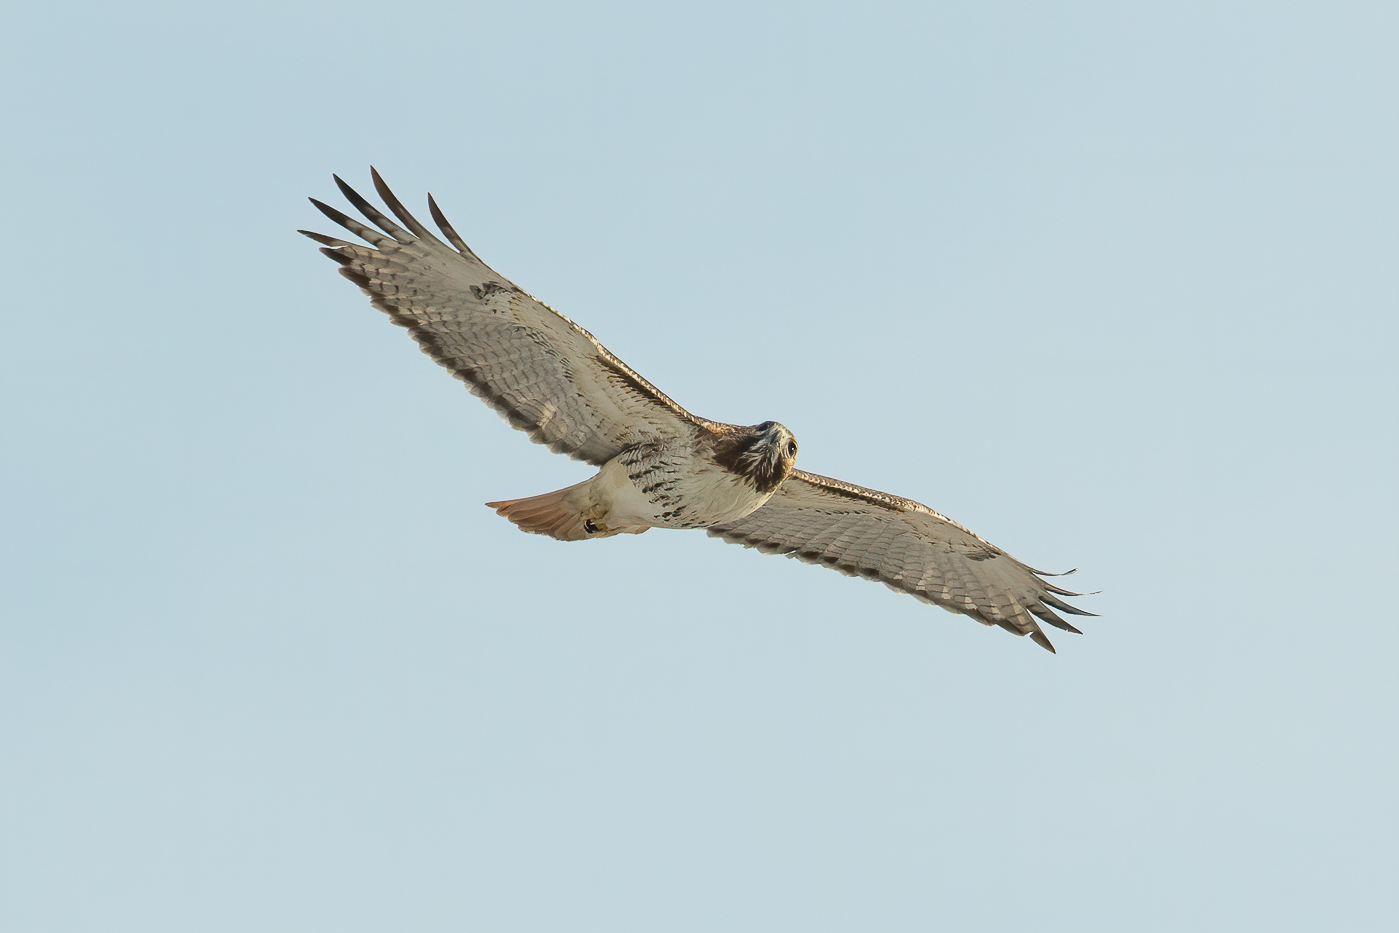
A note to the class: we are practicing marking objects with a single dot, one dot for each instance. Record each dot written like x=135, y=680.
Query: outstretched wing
x=542, y=372
x=904, y=545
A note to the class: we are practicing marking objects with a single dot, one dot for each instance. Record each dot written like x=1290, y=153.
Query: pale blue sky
x=1113, y=284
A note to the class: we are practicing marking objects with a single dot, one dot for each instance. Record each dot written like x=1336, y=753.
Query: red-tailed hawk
x=660, y=466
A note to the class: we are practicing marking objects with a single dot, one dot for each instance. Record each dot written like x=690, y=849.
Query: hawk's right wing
x=545, y=374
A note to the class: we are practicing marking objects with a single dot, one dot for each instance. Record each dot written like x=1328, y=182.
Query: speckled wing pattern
x=906, y=546
x=544, y=373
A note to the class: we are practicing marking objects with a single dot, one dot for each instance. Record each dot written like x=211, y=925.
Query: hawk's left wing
x=904, y=545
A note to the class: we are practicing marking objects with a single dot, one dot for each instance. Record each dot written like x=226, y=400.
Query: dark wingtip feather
x=401, y=212
x=336, y=215
x=354, y=226
x=1045, y=614
x=1040, y=639
x=376, y=217
x=452, y=236
x=1062, y=606
x=324, y=239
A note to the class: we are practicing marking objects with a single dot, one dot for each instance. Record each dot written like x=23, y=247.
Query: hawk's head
x=765, y=455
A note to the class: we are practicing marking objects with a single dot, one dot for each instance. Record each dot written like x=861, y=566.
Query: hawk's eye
x=791, y=448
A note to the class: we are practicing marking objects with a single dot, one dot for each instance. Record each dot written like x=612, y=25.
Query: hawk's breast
x=676, y=486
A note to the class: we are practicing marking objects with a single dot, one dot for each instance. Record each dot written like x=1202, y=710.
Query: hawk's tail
x=559, y=514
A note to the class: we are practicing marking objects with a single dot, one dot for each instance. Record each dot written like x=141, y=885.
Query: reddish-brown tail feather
x=556, y=514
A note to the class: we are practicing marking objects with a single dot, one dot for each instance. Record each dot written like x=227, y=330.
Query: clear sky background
x=1114, y=284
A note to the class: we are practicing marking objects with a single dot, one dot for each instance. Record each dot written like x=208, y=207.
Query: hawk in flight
x=659, y=465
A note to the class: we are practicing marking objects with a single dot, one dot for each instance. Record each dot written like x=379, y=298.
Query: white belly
x=671, y=490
